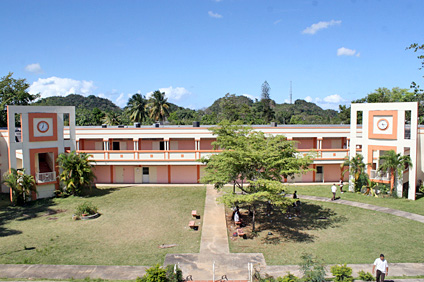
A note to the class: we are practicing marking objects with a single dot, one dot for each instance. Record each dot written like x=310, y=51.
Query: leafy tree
x=21, y=185
x=356, y=168
x=417, y=48
x=158, y=106
x=268, y=113
x=264, y=161
x=395, y=164
x=111, y=118
x=136, y=108
x=77, y=172
x=13, y=92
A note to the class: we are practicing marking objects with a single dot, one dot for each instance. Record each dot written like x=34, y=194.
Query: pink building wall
x=128, y=175
x=304, y=143
x=332, y=173
x=184, y=144
x=145, y=144
x=102, y=172
x=206, y=143
x=162, y=174
x=332, y=143
x=308, y=177
x=184, y=174
x=89, y=144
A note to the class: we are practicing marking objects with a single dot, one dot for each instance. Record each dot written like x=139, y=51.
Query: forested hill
x=79, y=101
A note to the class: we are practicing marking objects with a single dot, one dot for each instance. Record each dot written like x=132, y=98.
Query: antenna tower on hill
x=291, y=93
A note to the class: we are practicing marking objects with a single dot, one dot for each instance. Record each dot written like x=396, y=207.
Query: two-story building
x=169, y=154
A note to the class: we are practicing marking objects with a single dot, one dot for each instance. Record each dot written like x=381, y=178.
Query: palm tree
x=21, y=185
x=77, y=172
x=111, y=118
x=158, y=106
x=356, y=167
x=395, y=164
x=136, y=107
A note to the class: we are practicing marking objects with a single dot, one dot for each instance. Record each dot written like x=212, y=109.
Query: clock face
x=383, y=124
x=43, y=126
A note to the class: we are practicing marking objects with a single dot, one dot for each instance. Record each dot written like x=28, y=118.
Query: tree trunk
x=234, y=187
x=392, y=180
x=253, y=217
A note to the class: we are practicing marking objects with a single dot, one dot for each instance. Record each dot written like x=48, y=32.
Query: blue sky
x=196, y=51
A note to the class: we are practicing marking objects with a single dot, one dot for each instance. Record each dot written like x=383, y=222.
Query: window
x=115, y=146
x=145, y=171
x=319, y=169
x=161, y=145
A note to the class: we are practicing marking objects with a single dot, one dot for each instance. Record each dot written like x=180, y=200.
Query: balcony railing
x=379, y=175
x=44, y=177
x=192, y=155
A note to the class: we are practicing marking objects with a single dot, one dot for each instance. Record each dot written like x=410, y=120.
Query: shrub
x=85, y=208
x=342, y=273
x=366, y=276
x=313, y=270
x=159, y=274
x=288, y=278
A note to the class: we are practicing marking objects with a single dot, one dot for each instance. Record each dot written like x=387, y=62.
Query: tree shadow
x=99, y=192
x=288, y=227
x=29, y=211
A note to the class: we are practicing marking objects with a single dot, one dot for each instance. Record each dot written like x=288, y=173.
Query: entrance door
x=145, y=175
x=319, y=176
x=138, y=175
x=119, y=174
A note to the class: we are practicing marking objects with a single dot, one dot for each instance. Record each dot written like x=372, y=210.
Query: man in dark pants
x=382, y=268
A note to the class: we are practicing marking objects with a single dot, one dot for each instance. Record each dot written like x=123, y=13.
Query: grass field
x=336, y=234
x=403, y=204
x=134, y=222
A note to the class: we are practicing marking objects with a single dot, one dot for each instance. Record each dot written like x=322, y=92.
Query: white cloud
x=214, y=15
x=34, y=68
x=250, y=96
x=172, y=93
x=121, y=101
x=320, y=25
x=56, y=86
x=347, y=52
x=277, y=21
x=308, y=99
x=328, y=102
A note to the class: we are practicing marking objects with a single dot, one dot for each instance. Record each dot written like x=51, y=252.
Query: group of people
x=334, y=189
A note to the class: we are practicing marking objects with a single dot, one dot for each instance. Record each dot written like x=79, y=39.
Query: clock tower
x=43, y=134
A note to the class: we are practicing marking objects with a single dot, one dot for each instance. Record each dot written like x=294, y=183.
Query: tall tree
x=13, y=92
x=268, y=112
x=356, y=168
x=264, y=161
x=136, y=108
x=111, y=118
x=417, y=48
x=158, y=106
x=77, y=172
x=395, y=164
x=21, y=185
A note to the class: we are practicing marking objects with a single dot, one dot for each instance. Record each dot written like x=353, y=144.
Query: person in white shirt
x=334, y=190
x=382, y=268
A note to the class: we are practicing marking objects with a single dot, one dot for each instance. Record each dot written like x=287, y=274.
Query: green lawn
x=134, y=222
x=336, y=234
x=403, y=204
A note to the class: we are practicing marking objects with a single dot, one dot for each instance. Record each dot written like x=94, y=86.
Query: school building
x=169, y=154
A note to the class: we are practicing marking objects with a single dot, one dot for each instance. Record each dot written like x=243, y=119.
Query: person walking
x=334, y=190
x=341, y=185
x=382, y=268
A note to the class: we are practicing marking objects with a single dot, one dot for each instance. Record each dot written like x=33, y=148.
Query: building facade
x=169, y=154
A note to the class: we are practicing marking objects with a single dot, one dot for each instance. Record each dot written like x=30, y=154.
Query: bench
x=192, y=224
x=194, y=213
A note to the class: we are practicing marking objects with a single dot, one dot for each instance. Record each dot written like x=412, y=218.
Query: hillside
x=80, y=102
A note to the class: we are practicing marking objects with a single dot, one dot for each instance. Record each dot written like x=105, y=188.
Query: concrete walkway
x=408, y=215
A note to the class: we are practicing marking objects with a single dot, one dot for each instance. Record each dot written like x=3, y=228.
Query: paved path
x=214, y=230
x=408, y=215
